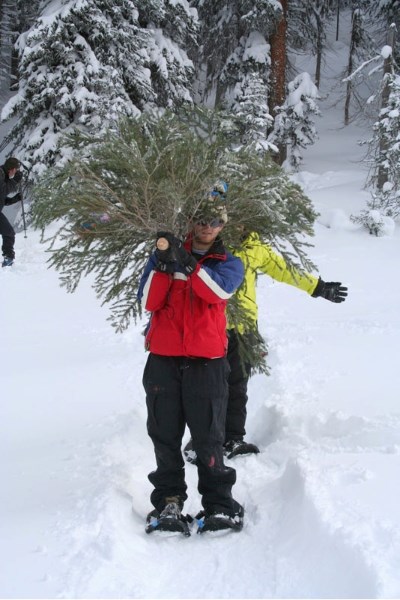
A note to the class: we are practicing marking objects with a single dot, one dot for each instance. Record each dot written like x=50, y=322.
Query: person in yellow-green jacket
x=258, y=257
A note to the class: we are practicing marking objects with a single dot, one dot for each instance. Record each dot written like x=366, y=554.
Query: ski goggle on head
x=213, y=223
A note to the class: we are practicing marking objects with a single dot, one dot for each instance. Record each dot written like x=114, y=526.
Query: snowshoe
x=189, y=453
x=239, y=447
x=170, y=519
x=220, y=521
x=7, y=261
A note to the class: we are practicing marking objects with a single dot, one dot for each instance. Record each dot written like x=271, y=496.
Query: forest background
x=83, y=64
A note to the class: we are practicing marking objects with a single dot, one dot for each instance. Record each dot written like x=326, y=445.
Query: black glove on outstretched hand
x=176, y=252
x=332, y=290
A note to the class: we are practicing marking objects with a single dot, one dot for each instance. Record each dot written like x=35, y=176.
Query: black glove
x=333, y=291
x=13, y=199
x=177, y=252
x=17, y=177
x=166, y=259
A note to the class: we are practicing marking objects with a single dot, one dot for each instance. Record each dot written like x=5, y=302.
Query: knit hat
x=214, y=205
x=11, y=163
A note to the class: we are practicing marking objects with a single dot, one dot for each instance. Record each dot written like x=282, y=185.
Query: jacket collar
x=217, y=250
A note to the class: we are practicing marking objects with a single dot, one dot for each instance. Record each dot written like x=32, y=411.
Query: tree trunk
x=349, y=85
x=6, y=13
x=278, y=71
x=320, y=36
x=383, y=143
x=337, y=19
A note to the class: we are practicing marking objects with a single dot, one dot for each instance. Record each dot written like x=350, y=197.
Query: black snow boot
x=238, y=447
x=169, y=519
x=219, y=521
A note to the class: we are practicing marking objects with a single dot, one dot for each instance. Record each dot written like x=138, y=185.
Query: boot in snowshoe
x=169, y=519
x=219, y=521
x=7, y=261
x=189, y=453
x=239, y=447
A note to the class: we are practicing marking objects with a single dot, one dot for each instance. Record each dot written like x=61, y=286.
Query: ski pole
x=22, y=200
x=23, y=215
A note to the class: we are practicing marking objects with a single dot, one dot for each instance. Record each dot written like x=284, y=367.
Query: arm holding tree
x=210, y=284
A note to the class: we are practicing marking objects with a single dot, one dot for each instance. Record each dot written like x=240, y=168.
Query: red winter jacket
x=188, y=312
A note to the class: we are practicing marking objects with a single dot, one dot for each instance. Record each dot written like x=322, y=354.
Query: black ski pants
x=238, y=379
x=182, y=391
x=8, y=234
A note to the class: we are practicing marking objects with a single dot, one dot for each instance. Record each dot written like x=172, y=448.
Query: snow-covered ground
x=322, y=497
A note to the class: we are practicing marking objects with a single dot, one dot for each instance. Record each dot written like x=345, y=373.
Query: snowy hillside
x=322, y=497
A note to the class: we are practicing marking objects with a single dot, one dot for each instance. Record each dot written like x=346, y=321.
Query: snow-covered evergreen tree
x=307, y=25
x=294, y=123
x=249, y=109
x=234, y=60
x=362, y=48
x=172, y=26
x=75, y=71
x=384, y=13
x=385, y=202
x=84, y=64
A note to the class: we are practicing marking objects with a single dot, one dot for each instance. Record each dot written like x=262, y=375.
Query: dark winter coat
x=8, y=187
x=188, y=312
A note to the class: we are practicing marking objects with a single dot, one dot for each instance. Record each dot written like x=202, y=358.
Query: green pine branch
x=152, y=174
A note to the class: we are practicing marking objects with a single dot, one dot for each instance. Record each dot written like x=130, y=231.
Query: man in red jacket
x=186, y=288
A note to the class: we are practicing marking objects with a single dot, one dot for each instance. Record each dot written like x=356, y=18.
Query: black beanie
x=11, y=163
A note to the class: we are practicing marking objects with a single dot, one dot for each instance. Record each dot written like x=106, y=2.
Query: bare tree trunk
x=349, y=86
x=320, y=46
x=278, y=71
x=383, y=144
x=6, y=43
x=337, y=19
x=16, y=16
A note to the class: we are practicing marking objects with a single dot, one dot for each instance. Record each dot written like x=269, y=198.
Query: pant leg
x=205, y=394
x=238, y=380
x=8, y=234
x=165, y=425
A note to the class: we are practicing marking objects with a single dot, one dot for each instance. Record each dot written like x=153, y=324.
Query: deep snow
x=322, y=509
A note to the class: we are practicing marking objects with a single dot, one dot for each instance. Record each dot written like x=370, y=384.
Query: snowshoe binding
x=189, y=453
x=219, y=521
x=239, y=447
x=169, y=519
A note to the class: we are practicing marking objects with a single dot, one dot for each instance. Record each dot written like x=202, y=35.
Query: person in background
x=10, y=178
x=257, y=257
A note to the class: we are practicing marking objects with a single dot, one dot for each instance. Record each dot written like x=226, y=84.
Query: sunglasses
x=214, y=223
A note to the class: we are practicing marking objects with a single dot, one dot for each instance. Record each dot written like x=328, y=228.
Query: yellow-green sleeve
x=275, y=266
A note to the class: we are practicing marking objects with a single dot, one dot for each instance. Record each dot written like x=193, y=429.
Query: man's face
x=205, y=233
x=12, y=172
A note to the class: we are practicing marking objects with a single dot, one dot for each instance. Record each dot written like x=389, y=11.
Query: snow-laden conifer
x=308, y=23
x=385, y=146
x=234, y=60
x=294, y=124
x=84, y=64
x=150, y=175
x=75, y=71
